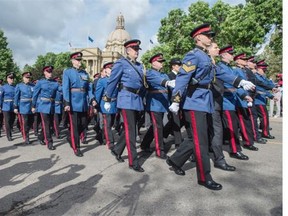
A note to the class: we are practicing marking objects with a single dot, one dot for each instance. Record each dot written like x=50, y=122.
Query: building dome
x=118, y=37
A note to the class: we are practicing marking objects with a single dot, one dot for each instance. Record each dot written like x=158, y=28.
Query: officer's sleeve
x=66, y=88
x=269, y=94
x=36, y=92
x=183, y=78
x=90, y=93
x=241, y=93
x=113, y=80
x=228, y=77
x=264, y=83
x=16, y=97
x=154, y=77
x=99, y=91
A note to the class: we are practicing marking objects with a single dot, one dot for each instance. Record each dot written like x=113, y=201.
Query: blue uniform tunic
x=262, y=91
x=23, y=97
x=7, y=93
x=157, y=94
x=59, y=100
x=198, y=64
x=45, y=92
x=76, y=90
x=125, y=74
x=99, y=93
x=230, y=92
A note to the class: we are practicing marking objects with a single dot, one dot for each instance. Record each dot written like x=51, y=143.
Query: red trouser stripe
x=231, y=129
x=55, y=126
x=44, y=129
x=106, y=130
x=20, y=123
x=155, y=129
x=72, y=132
x=243, y=128
x=197, y=146
x=126, y=126
x=82, y=136
x=253, y=125
x=22, y=126
x=265, y=128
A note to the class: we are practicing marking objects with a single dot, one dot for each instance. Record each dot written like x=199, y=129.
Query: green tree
x=243, y=26
x=58, y=61
x=6, y=58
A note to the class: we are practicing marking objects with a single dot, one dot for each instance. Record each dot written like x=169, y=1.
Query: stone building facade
x=94, y=58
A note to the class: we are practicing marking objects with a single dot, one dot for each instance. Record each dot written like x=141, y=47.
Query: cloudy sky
x=35, y=27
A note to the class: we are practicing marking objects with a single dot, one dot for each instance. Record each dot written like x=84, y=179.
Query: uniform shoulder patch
x=188, y=67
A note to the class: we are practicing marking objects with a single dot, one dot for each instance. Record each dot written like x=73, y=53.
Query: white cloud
x=36, y=27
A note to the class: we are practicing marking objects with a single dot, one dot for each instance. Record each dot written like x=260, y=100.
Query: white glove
x=247, y=85
x=174, y=107
x=170, y=83
x=107, y=106
x=249, y=104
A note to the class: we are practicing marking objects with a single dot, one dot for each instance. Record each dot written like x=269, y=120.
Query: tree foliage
x=243, y=26
x=7, y=64
x=59, y=61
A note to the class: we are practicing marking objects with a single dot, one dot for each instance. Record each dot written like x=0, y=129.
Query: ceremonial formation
x=218, y=105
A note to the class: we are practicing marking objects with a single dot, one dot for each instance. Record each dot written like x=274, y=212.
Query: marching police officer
x=157, y=104
x=23, y=105
x=261, y=99
x=77, y=94
x=196, y=74
x=216, y=128
x=128, y=74
x=45, y=91
x=229, y=116
x=108, y=116
x=7, y=93
x=243, y=112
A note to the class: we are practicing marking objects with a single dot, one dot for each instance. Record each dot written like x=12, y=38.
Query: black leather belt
x=192, y=88
x=135, y=91
x=204, y=86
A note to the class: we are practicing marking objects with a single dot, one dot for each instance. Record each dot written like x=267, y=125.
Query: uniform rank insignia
x=188, y=67
x=106, y=99
x=177, y=98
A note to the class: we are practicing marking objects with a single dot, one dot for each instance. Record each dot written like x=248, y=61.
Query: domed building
x=118, y=37
x=94, y=58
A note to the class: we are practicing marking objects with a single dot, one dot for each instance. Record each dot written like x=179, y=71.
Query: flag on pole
x=151, y=41
x=90, y=39
x=70, y=45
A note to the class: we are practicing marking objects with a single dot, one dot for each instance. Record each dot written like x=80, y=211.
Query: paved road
x=36, y=181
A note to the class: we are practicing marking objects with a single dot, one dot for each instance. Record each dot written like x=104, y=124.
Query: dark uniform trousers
x=155, y=131
x=197, y=124
x=254, y=116
x=9, y=118
x=216, y=137
x=245, y=125
x=108, y=121
x=128, y=137
x=231, y=130
x=56, y=122
x=78, y=123
x=174, y=125
x=36, y=123
x=45, y=134
x=26, y=122
x=264, y=119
